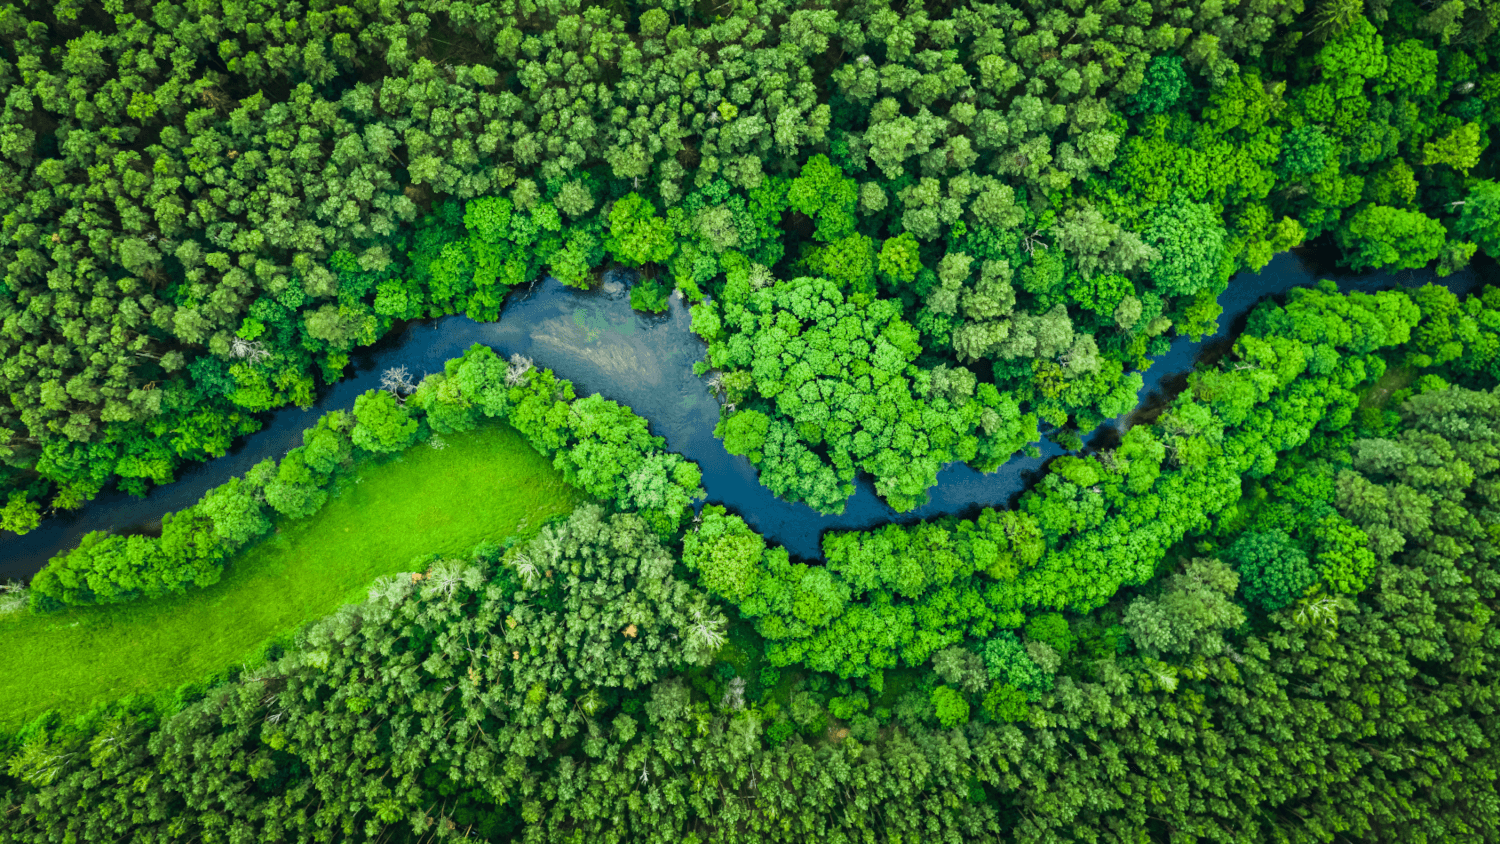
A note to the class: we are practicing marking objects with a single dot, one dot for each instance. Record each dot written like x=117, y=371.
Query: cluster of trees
x=1330, y=138
x=823, y=386
x=574, y=687
x=1383, y=699
x=601, y=447
x=1459, y=340
x=1096, y=523
x=208, y=204
x=910, y=236
x=1211, y=166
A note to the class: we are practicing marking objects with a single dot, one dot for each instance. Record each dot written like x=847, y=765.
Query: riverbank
x=485, y=484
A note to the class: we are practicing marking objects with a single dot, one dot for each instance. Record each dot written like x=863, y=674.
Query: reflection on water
x=646, y=361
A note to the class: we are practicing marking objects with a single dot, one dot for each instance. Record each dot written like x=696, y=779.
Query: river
x=596, y=341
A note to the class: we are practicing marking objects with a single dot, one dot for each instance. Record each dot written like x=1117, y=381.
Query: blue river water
x=595, y=340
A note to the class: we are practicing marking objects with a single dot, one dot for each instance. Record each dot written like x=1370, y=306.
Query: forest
x=1257, y=604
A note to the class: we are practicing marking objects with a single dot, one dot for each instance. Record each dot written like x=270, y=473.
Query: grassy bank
x=488, y=483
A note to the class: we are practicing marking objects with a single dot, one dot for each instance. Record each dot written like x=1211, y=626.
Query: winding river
x=596, y=341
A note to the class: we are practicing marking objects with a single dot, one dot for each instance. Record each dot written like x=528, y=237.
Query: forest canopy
x=1262, y=608
x=208, y=206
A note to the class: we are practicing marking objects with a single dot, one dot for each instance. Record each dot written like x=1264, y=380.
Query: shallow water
x=596, y=341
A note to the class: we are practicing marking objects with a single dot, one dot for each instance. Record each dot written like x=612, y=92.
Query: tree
x=899, y=260
x=725, y=552
x=1458, y=149
x=951, y=708
x=636, y=235
x=236, y=512
x=446, y=408
x=484, y=380
x=1479, y=217
x=295, y=489
x=1304, y=151
x=381, y=424
x=1378, y=236
x=824, y=194
x=744, y=432
x=327, y=444
x=1191, y=241
x=662, y=489
x=1190, y=614
x=1053, y=630
x=1009, y=664
x=1273, y=571
x=1163, y=86
x=1334, y=17
x=20, y=514
x=961, y=668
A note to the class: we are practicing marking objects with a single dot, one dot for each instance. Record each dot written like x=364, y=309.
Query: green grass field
x=486, y=484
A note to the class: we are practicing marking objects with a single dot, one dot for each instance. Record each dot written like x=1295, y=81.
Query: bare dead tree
x=250, y=350
x=708, y=630
x=515, y=374
x=1033, y=241
x=525, y=568
x=397, y=381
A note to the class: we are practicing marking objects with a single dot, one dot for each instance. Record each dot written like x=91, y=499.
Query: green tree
x=1381, y=237
x=1190, y=614
x=1164, y=84
x=950, y=706
x=1479, y=217
x=744, y=432
x=899, y=260
x=823, y=193
x=20, y=514
x=636, y=235
x=1304, y=151
x=725, y=552
x=1273, y=571
x=1191, y=241
x=1458, y=149
x=382, y=424
x=236, y=512
x=291, y=487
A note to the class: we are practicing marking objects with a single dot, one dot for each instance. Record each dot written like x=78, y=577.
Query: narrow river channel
x=596, y=341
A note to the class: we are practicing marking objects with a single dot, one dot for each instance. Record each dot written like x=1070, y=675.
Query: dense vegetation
x=1094, y=524
x=209, y=205
x=909, y=236
x=575, y=686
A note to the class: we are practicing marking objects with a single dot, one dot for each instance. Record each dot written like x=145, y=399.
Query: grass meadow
x=485, y=484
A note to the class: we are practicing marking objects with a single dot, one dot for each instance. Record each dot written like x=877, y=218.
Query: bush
x=650, y=295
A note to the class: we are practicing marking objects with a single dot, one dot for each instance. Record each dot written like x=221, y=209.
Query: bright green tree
x=1381, y=237
x=382, y=424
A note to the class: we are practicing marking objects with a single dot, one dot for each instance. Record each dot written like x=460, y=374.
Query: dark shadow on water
x=595, y=340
